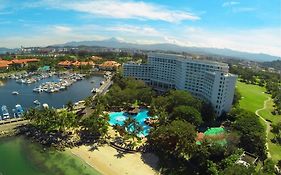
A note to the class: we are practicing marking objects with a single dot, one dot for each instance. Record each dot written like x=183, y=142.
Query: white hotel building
x=207, y=80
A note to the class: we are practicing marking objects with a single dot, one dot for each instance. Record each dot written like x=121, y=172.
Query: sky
x=244, y=25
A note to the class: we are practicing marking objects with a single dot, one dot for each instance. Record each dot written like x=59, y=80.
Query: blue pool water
x=120, y=117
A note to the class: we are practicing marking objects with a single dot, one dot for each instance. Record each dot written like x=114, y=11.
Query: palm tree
x=132, y=126
x=69, y=106
x=89, y=101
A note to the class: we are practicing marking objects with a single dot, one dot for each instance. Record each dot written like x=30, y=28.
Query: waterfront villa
x=24, y=62
x=109, y=65
x=207, y=80
x=5, y=64
x=69, y=64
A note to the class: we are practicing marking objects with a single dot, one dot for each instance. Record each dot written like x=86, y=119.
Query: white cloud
x=264, y=40
x=122, y=9
x=237, y=7
x=230, y=3
x=62, y=29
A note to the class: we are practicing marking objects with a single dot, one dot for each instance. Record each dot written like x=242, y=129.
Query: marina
x=53, y=91
x=60, y=85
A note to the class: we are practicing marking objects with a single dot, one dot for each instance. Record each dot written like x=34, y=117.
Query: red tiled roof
x=110, y=64
x=75, y=63
x=24, y=61
x=65, y=63
x=4, y=63
x=87, y=63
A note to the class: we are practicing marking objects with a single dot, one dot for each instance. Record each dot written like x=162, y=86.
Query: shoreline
x=109, y=161
x=1, y=83
x=10, y=129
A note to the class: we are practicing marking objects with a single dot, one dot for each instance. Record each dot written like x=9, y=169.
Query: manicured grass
x=267, y=113
x=274, y=149
x=253, y=98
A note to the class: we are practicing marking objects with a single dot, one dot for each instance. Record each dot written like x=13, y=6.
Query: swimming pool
x=119, y=118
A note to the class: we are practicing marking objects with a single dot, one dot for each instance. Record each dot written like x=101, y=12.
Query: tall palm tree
x=69, y=106
x=132, y=126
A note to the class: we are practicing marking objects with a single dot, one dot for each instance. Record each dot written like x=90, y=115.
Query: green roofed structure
x=214, y=131
x=44, y=68
x=216, y=134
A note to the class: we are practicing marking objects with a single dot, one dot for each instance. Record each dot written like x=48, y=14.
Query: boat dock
x=13, y=120
x=8, y=127
x=104, y=87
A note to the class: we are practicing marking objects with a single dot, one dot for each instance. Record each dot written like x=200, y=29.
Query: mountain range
x=115, y=43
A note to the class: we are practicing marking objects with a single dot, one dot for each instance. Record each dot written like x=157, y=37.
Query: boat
x=15, y=93
x=38, y=90
x=36, y=102
x=5, y=112
x=20, y=81
x=101, y=83
x=50, y=90
x=19, y=110
x=95, y=90
x=45, y=105
x=62, y=88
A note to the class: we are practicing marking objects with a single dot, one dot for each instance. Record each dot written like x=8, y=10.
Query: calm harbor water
x=19, y=156
x=22, y=157
x=78, y=91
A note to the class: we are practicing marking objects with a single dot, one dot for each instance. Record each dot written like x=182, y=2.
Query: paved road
x=268, y=127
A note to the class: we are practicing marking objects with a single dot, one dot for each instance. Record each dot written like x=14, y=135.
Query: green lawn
x=253, y=98
x=267, y=113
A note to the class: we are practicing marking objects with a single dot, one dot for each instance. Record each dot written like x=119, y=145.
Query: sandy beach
x=108, y=161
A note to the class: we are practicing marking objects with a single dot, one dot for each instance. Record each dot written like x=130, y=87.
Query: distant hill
x=115, y=43
x=4, y=50
x=274, y=64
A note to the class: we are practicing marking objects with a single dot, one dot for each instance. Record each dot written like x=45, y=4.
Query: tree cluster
x=251, y=131
x=126, y=91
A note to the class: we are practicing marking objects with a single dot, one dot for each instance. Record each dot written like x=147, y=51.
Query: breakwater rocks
x=58, y=140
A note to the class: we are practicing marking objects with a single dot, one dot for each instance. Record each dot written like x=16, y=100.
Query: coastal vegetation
x=64, y=128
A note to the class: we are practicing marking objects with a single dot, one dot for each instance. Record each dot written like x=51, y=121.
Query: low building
x=215, y=134
x=70, y=64
x=4, y=64
x=109, y=65
x=65, y=64
x=247, y=159
x=44, y=69
x=24, y=62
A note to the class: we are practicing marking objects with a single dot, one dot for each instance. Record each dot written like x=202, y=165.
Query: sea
x=19, y=156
